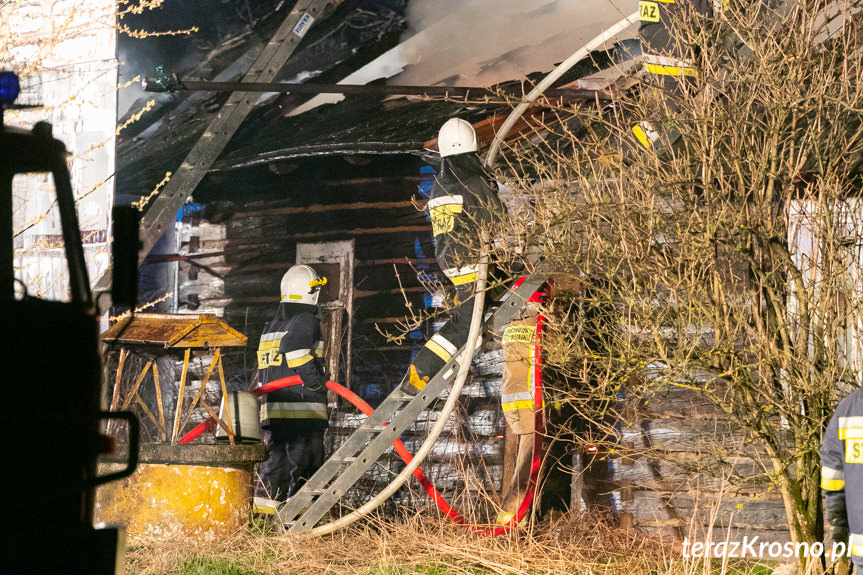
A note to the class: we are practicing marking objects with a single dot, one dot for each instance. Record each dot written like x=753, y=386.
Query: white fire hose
x=546, y=82
x=479, y=297
x=454, y=394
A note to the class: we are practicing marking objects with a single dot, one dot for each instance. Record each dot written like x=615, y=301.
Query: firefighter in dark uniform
x=669, y=59
x=463, y=202
x=842, y=475
x=462, y=205
x=294, y=417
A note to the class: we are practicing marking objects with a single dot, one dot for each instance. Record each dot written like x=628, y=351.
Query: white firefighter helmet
x=456, y=136
x=301, y=284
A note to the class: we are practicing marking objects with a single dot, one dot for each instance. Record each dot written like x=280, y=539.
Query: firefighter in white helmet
x=294, y=417
x=464, y=203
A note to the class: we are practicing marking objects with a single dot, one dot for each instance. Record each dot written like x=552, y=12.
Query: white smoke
x=484, y=42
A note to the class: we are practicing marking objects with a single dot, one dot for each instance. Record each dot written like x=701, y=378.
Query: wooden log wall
x=687, y=471
x=236, y=243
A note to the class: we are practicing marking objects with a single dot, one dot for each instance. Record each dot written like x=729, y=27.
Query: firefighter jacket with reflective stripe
x=842, y=471
x=291, y=345
x=659, y=19
x=463, y=201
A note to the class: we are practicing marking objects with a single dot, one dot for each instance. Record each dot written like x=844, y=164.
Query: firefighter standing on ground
x=294, y=417
x=462, y=205
x=842, y=475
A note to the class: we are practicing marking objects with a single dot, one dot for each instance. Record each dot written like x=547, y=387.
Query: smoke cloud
x=484, y=42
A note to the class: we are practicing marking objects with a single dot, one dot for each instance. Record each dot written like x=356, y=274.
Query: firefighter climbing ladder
x=375, y=436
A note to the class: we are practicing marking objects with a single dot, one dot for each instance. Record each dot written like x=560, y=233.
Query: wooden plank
x=230, y=421
x=180, y=395
x=216, y=358
x=115, y=397
x=215, y=416
x=159, y=401
x=686, y=471
x=323, y=208
x=135, y=387
x=223, y=127
x=147, y=411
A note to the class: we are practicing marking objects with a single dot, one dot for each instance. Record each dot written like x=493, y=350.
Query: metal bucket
x=244, y=415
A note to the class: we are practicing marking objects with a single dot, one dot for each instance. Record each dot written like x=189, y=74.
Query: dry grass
x=418, y=544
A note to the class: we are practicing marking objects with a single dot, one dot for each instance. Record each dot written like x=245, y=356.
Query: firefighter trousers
x=296, y=452
x=519, y=409
x=444, y=344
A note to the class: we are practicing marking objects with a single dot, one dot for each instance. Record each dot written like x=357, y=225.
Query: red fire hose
x=210, y=424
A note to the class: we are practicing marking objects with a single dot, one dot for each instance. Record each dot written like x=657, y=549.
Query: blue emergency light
x=10, y=87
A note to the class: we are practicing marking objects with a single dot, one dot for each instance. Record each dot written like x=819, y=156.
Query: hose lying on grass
x=210, y=424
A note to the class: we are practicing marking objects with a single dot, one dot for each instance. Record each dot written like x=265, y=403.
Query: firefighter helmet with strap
x=456, y=136
x=301, y=284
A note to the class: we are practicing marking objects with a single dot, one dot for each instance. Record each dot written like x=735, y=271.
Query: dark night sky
x=213, y=18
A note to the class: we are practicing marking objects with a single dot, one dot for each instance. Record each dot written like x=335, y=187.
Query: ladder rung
x=369, y=441
x=344, y=459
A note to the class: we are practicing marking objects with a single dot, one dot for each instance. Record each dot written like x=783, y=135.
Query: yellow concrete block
x=165, y=500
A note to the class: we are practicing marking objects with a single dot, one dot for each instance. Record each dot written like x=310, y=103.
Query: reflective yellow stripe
x=670, y=70
x=855, y=541
x=445, y=343
x=648, y=11
x=300, y=361
x=641, y=136
x=438, y=350
x=264, y=506
x=854, y=450
x=465, y=279
x=516, y=405
x=293, y=410
x=295, y=414
x=519, y=334
x=832, y=484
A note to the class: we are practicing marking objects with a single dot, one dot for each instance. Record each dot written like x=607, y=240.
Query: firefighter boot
x=413, y=381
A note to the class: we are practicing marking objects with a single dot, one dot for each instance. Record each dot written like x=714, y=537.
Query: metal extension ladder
x=377, y=433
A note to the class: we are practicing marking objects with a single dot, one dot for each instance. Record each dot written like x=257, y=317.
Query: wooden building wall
x=235, y=243
x=240, y=236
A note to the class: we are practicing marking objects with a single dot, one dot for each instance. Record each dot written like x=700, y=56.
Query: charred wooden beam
x=490, y=95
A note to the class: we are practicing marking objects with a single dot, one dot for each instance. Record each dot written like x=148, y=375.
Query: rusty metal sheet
x=174, y=331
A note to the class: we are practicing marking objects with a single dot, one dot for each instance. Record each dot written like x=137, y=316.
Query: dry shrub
x=417, y=543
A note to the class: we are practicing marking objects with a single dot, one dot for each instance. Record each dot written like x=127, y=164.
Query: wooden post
x=159, y=401
x=215, y=416
x=180, y=396
x=146, y=410
x=577, y=486
x=227, y=403
x=137, y=385
x=216, y=359
x=115, y=396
